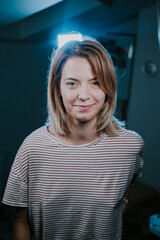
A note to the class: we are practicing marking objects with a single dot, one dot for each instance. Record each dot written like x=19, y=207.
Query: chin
x=85, y=119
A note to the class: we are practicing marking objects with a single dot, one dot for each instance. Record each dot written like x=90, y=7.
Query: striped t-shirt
x=74, y=192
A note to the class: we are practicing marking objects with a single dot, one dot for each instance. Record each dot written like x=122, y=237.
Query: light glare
x=130, y=51
x=62, y=39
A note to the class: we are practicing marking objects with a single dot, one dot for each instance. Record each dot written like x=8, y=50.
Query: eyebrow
x=74, y=79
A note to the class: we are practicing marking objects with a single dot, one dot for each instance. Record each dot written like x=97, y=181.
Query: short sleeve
x=16, y=191
x=139, y=159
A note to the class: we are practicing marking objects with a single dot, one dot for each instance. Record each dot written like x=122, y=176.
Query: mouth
x=84, y=107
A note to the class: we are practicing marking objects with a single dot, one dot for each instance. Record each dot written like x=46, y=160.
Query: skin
x=80, y=90
x=21, y=229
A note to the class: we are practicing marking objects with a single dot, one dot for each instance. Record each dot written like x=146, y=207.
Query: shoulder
x=36, y=138
x=134, y=135
x=36, y=142
x=40, y=132
x=131, y=136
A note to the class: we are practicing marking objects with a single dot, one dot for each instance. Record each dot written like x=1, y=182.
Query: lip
x=84, y=107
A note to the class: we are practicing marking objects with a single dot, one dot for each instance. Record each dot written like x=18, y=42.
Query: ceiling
x=12, y=11
x=29, y=19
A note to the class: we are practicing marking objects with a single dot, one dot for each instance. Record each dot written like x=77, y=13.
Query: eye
x=96, y=83
x=71, y=84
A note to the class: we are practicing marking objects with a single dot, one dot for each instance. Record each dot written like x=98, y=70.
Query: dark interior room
x=130, y=31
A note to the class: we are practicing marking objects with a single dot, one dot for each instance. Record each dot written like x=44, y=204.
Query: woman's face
x=80, y=91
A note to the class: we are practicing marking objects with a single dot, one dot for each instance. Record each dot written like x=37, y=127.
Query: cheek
x=101, y=97
x=68, y=95
x=68, y=99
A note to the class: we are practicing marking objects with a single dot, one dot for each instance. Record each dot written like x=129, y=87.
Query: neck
x=82, y=133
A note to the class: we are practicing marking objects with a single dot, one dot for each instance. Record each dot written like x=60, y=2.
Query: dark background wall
x=23, y=102
x=143, y=109
x=23, y=90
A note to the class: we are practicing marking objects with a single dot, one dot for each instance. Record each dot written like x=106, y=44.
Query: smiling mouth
x=84, y=107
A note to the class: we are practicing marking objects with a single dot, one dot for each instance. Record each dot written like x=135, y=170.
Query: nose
x=83, y=94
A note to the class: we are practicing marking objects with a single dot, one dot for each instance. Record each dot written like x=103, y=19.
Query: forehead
x=77, y=66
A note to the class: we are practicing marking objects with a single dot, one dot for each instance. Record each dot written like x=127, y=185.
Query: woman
x=69, y=178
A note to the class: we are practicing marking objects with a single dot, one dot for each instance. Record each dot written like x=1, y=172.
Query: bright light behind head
x=63, y=38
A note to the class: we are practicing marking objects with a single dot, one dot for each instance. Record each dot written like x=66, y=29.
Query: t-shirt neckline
x=70, y=145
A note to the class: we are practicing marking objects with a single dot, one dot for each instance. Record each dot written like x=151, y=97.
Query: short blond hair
x=104, y=70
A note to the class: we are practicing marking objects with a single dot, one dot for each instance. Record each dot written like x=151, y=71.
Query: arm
x=21, y=229
x=125, y=199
